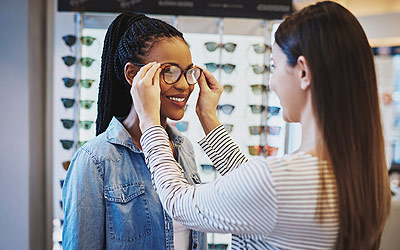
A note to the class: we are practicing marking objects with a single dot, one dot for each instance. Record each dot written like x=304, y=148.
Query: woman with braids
x=333, y=193
x=108, y=196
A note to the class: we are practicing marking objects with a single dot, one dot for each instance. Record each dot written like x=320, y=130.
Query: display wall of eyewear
x=66, y=164
x=226, y=108
x=67, y=123
x=212, y=46
x=257, y=109
x=68, y=82
x=68, y=102
x=260, y=68
x=259, y=88
x=172, y=73
x=71, y=60
x=228, y=68
x=86, y=104
x=86, y=124
x=61, y=183
x=86, y=83
x=81, y=143
x=257, y=130
x=258, y=149
x=261, y=48
x=207, y=168
x=228, y=88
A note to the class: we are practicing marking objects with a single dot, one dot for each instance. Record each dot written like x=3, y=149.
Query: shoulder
x=99, y=149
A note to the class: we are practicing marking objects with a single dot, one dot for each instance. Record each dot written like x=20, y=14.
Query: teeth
x=176, y=99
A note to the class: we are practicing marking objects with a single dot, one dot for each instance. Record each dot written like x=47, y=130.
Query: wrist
x=209, y=121
x=147, y=123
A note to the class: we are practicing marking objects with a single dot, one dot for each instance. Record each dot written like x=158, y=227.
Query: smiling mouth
x=176, y=99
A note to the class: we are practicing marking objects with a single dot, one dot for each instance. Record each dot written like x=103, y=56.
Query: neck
x=309, y=133
x=131, y=124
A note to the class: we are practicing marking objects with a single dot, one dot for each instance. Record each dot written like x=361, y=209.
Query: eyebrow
x=172, y=63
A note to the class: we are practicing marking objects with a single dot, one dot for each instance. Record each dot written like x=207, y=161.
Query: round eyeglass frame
x=183, y=72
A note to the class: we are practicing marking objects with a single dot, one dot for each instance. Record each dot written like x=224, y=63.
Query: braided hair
x=129, y=38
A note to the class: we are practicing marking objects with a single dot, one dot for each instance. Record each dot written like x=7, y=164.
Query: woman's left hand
x=145, y=93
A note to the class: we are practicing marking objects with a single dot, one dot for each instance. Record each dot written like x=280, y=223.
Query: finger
x=143, y=70
x=203, y=83
x=211, y=81
x=157, y=77
x=151, y=72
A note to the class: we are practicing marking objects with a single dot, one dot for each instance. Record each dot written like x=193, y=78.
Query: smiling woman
x=109, y=201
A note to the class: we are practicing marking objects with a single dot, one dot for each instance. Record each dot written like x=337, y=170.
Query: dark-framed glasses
x=260, y=48
x=260, y=68
x=68, y=82
x=68, y=102
x=67, y=144
x=256, y=109
x=172, y=73
x=226, y=108
x=212, y=46
x=67, y=123
x=228, y=68
x=69, y=40
x=69, y=60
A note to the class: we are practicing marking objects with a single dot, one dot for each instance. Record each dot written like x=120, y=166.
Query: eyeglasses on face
x=228, y=68
x=68, y=82
x=86, y=104
x=226, y=108
x=228, y=127
x=66, y=165
x=67, y=144
x=87, y=40
x=86, y=124
x=87, y=83
x=217, y=246
x=260, y=48
x=67, y=123
x=259, y=88
x=207, y=168
x=69, y=40
x=228, y=88
x=68, y=102
x=172, y=73
x=212, y=46
x=260, y=68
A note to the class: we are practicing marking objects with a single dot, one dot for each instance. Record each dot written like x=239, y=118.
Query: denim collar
x=117, y=134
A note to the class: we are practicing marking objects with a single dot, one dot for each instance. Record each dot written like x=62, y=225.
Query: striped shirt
x=265, y=203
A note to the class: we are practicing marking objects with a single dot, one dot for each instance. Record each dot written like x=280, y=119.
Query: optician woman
x=333, y=192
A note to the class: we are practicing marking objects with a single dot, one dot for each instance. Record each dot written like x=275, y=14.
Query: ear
x=130, y=71
x=304, y=72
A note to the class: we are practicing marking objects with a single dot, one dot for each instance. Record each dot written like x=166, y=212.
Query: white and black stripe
x=265, y=203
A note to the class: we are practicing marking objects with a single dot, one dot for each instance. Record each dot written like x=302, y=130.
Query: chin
x=175, y=117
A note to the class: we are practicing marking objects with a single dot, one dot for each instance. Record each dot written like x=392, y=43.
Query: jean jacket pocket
x=127, y=212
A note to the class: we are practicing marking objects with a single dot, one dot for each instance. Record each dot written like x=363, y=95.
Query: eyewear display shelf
x=237, y=51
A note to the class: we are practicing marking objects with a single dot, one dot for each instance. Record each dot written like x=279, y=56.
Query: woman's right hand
x=206, y=107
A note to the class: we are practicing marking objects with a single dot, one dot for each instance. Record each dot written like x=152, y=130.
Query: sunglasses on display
x=70, y=40
x=228, y=127
x=68, y=102
x=172, y=73
x=68, y=82
x=207, y=168
x=257, y=130
x=257, y=109
x=228, y=68
x=259, y=88
x=81, y=143
x=67, y=123
x=212, y=46
x=87, y=83
x=260, y=48
x=67, y=144
x=257, y=150
x=217, y=246
x=226, y=108
x=260, y=68
x=61, y=183
x=71, y=60
x=61, y=206
x=86, y=104
x=228, y=88
x=86, y=124
x=66, y=165
x=273, y=110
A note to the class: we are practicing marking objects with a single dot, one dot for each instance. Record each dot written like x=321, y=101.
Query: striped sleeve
x=232, y=204
x=223, y=152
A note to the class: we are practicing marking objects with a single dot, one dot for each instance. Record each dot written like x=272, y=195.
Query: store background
x=26, y=33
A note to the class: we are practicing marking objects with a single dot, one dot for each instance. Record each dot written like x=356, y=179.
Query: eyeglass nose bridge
x=184, y=73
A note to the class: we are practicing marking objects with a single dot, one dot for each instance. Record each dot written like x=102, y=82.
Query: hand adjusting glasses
x=171, y=73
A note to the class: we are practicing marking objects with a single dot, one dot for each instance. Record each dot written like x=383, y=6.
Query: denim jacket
x=109, y=200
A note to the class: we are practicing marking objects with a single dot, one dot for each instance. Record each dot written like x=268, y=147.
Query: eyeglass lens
x=172, y=74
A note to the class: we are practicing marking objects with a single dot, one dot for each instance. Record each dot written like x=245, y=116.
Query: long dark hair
x=346, y=106
x=128, y=39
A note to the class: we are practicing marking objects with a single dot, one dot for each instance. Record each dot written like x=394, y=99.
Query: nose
x=182, y=83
